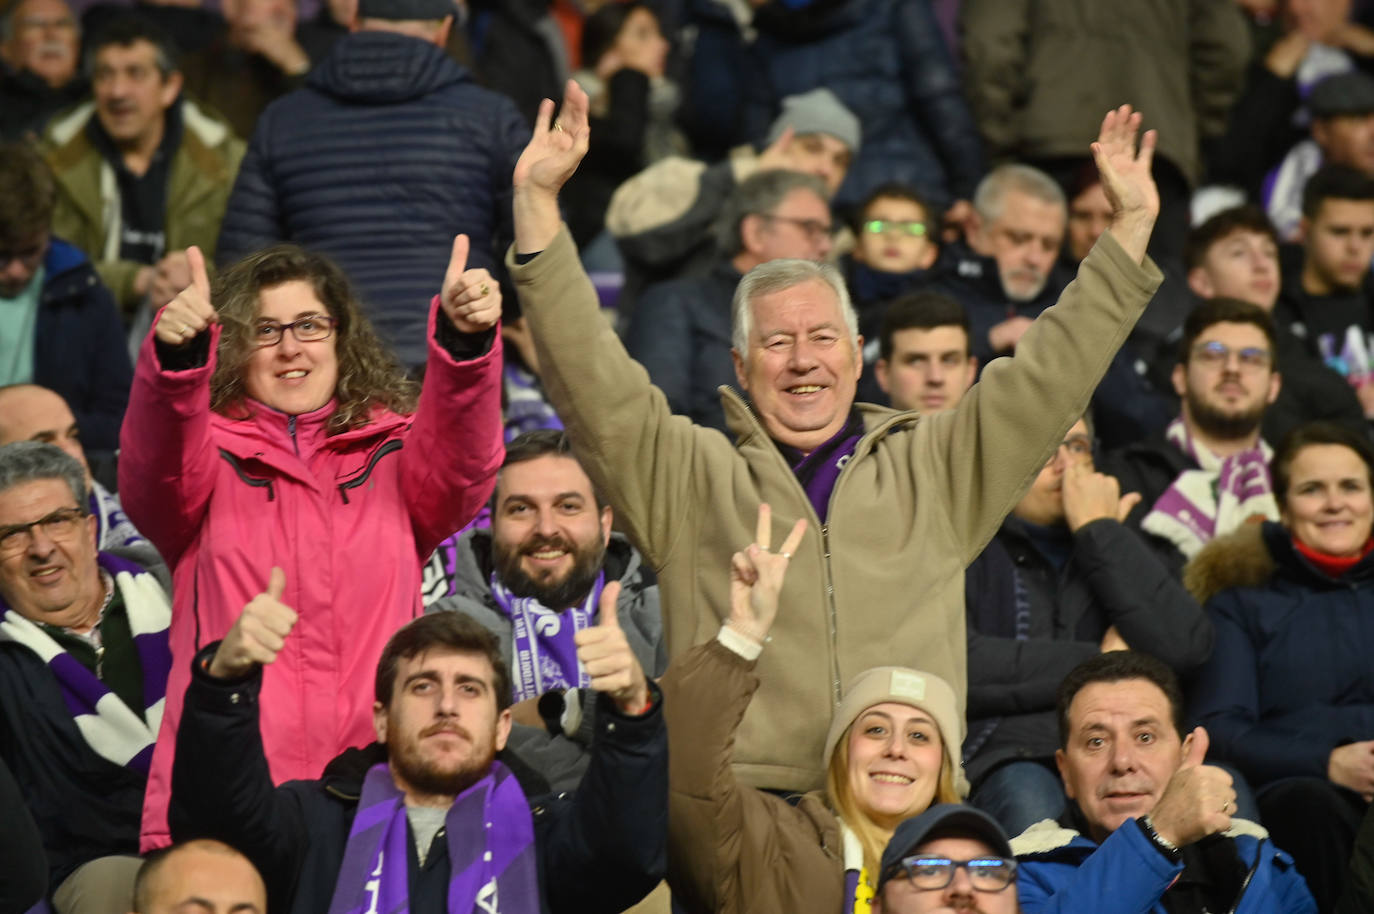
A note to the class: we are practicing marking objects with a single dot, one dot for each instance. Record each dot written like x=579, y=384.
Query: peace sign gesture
x=756, y=577
x=190, y=313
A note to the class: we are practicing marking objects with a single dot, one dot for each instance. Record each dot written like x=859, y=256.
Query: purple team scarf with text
x=491, y=853
x=818, y=471
x=116, y=732
x=545, y=652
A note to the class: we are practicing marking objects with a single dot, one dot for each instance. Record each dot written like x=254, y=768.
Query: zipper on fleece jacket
x=256, y=482
x=393, y=445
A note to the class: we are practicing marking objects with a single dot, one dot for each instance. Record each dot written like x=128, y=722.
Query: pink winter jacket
x=349, y=518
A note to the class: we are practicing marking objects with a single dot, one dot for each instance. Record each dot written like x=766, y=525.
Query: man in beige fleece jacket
x=901, y=504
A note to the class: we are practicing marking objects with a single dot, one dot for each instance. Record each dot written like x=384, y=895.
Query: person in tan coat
x=892, y=751
x=902, y=504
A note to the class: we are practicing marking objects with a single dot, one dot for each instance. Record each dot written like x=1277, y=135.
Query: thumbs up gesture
x=470, y=298
x=190, y=313
x=605, y=654
x=1198, y=800
x=258, y=635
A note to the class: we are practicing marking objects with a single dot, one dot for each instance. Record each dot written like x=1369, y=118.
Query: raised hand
x=604, y=652
x=258, y=635
x=778, y=154
x=190, y=313
x=756, y=577
x=470, y=298
x=1198, y=800
x=1126, y=178
x=556, y=147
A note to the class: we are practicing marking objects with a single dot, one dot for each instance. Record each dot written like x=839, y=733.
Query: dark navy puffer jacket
x=887, y=61
x=388, y=151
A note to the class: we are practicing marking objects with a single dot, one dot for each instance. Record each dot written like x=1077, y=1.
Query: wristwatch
x=1163, y=844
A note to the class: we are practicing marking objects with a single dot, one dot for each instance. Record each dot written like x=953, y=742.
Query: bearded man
x=534, y=579
x=428, y=818
x=1208, y=472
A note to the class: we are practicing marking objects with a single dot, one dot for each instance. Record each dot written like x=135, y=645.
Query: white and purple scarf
x=491, y=852
x=112, y=729
x=1215, y=499
x=545, y=654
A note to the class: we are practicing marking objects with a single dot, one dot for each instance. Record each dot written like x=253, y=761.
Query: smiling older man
x=902, y=504
x=83, y=670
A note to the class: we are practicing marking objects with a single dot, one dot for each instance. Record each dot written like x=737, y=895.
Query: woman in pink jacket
x=273, y=428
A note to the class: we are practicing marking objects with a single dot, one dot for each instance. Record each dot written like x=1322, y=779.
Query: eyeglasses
x=62, y=524
x=907, y=227
x=985, y=874
x=814, y=228
x=1080, y=448
x=1215, y=355
x=310, y=329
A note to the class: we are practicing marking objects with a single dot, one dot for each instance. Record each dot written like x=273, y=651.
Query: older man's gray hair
x=775, y=276
x=33, y=461
x=992, y=191
x=759, y=195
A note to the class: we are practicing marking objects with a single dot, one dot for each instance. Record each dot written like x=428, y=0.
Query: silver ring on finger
x=1226, y=806
x=786, y=555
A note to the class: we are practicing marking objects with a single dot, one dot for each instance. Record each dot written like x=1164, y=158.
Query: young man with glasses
x=949, y=858
x=1152, y=827
x=83, y=669
x=1208, y=472
x=1062, y=580
x=680, y=329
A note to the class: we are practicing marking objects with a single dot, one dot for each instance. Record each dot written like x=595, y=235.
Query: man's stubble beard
x=558, y=595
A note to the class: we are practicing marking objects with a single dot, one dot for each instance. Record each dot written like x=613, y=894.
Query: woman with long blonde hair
x=270, y=433
x=891, y=753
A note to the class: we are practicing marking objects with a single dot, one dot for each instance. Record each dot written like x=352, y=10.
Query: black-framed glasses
x=1215, y=355
x=985, y=874
x=897, y=226
x=814, y=228
x=310, y=329
x=61, y=524
x=1079, y=447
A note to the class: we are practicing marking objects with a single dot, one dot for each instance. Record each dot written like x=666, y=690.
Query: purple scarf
x=545, y=652
x=490, y=836
x=116, y=732
x=818, y=471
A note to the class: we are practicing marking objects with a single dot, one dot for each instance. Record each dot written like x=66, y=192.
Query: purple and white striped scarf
x=545, y=652
x=112, y=729
x=1215, y=499
x=490, y=836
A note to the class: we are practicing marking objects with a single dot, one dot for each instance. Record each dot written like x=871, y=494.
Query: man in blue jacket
x=1151, y=827
x=427, y=819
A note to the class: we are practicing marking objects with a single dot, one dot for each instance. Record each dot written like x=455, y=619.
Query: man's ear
x=973, y=234
x=171, y=88
x=1179, y=377
x=1060, y=761
x=880, y=375
x=379, y=721
x=858, y=356
x=1201, y=283
x=751, y=232
x=502, y=729
x=741, y=370
x=1275, y=385
x=607, y=521
x=1304, y=227
x=441, y=35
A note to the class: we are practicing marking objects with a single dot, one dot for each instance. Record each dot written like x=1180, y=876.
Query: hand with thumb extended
x=258, y=635
x=1198, y=800
x=470, y=298
x=605, y=655
x=190, y=313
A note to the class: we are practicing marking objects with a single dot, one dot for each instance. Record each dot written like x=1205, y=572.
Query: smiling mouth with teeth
x=888, y=778
x=293, y=374
x=805, y=389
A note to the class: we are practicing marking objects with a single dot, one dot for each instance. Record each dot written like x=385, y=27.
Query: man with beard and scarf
x=1208, y=472
x=534, y=579
x=1152, y=826
x=428, y=819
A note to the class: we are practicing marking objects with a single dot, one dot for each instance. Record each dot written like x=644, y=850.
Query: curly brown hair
x=369, y=375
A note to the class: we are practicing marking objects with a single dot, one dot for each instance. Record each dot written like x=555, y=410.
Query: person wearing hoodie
x=388, y=151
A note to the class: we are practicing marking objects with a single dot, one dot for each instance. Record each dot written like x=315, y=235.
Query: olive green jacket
x=88, y=206
x=882, y=582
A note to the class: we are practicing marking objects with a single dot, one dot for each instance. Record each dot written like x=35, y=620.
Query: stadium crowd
x=692, y=456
